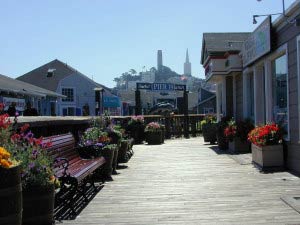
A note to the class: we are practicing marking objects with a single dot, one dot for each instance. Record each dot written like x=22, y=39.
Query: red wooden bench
x=72, y=171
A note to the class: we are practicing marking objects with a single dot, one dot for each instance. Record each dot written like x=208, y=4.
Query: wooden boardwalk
x=185, y=182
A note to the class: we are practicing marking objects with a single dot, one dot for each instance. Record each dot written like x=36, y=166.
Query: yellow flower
x=5, y=163
x=4, y=154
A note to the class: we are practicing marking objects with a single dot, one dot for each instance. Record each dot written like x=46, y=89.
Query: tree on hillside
x=122, y=81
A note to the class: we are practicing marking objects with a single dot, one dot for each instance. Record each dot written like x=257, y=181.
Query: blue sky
x=104, y=38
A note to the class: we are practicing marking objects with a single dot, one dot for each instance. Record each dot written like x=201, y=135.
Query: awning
x=111, y=101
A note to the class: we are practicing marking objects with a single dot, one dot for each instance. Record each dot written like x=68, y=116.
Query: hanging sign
x=160, y=87
x=258, y=43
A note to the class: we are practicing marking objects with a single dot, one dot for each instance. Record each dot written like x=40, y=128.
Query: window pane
x=280, y=91
x=69, y=92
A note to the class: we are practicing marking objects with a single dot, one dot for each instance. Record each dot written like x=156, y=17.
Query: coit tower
x=159, y=60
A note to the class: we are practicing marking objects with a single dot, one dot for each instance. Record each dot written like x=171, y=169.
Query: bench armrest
x=61, y=162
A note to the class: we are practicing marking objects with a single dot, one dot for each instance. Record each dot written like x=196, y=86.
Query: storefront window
x=280, y=91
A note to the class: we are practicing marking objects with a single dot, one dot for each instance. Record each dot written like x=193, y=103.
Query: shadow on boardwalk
x=63, y=212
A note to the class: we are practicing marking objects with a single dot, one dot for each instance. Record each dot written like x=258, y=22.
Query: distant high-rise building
x=159, y=60
x=187, y=65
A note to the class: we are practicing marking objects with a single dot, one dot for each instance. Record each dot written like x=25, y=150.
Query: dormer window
x=50, y=72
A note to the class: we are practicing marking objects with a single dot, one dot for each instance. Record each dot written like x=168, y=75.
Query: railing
x=174, y=124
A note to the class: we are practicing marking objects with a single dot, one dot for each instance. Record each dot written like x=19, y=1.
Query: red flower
x=4, y=121
x=15, y=137
x=24, y=127
x=265, y=135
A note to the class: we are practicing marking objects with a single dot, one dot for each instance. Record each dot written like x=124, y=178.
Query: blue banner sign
x=160, y=86
x=111, y=102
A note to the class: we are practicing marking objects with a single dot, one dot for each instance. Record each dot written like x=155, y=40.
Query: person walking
x=11, y=111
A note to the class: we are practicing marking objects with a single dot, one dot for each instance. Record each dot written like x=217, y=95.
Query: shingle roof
x=39, y=77
x=222, y=42
x=11, y=85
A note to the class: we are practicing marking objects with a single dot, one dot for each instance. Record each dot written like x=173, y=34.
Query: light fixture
x=254, y=20
x=272, y=14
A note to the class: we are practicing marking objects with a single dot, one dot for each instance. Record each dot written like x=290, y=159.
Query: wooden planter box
x=237, y=146
x=222, y=142
x=108, y=154
x=154, y=138
x=10, y=196
x=209, y=132
x=122, y=154
x=38, y=206
x=270, y=156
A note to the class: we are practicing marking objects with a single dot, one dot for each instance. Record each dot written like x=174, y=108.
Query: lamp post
x=272, y=14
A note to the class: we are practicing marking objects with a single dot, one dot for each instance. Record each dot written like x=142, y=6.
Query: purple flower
x=99, y=144
x=35, y=153
x=88, y=142
x=31, y=165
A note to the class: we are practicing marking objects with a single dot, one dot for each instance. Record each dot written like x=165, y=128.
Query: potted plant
x=237, y=135
x=208, y=126
x=38, y=180
x=123, y=150
x=89, y=145
x=10, y=177
x=221, y=138
x=163, y=133
x=108, y=154
x=153, y=133
x=266, y=146
x=135, y=128
x=115, y=136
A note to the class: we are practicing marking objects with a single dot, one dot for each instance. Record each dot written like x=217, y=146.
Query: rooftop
x=8, y=84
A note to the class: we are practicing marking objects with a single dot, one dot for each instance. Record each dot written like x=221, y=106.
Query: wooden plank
x=184, y=181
